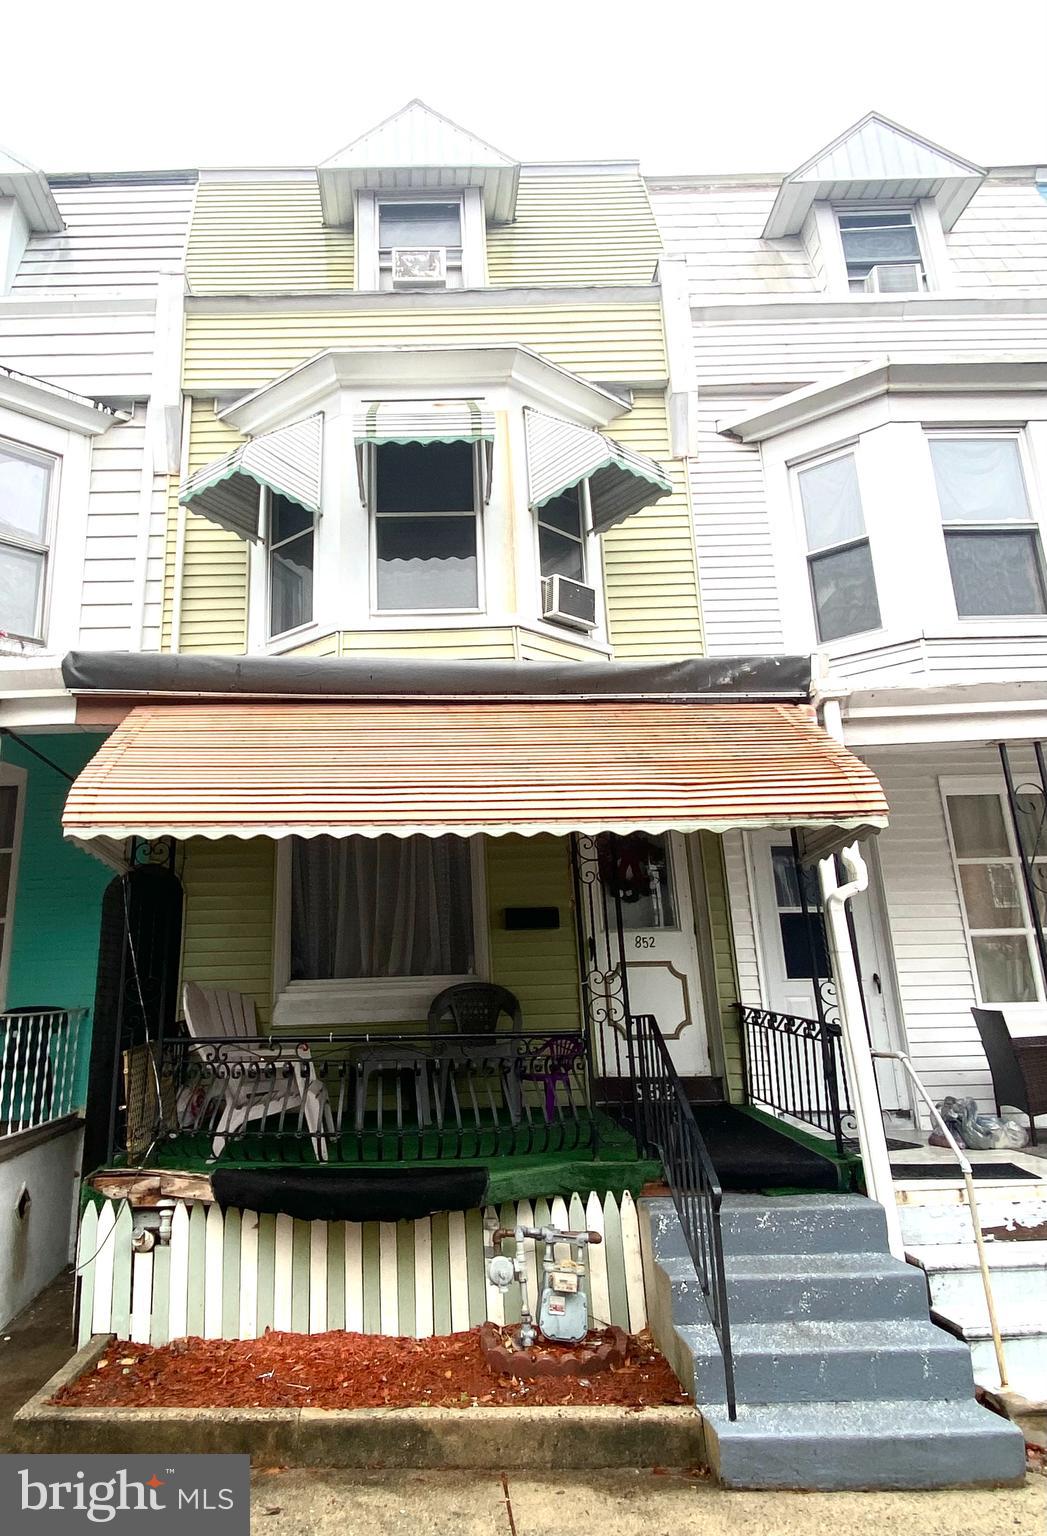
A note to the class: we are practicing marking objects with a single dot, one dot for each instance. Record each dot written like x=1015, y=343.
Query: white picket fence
x=233, y=1274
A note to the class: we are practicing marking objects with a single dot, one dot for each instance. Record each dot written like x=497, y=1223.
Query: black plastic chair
x=1018, y=1066
x=474, y=1008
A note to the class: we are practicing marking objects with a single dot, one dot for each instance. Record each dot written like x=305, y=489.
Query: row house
x=403, y=808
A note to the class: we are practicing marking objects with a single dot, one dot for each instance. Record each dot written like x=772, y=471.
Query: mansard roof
x=876, y=160
x=418, y=150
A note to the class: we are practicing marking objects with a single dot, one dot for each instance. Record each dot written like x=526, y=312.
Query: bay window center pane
x=427, y=562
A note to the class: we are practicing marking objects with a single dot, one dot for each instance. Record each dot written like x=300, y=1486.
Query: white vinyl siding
x=116, y=236
x=112, y=578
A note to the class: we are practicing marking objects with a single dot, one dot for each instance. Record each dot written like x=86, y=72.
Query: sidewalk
x=32, y=1347
x=617, y=1504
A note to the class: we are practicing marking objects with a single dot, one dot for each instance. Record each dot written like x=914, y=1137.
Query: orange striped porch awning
x=352, y=767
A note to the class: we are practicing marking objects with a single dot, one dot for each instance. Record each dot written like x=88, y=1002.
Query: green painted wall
x=54, y=939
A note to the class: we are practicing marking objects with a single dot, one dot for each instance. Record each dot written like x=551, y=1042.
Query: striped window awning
x=288, y=461
x=560, y=455
x=468, y=766
x=424, y=421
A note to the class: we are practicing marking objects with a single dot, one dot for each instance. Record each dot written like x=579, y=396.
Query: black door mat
x=748, y=1154
x=952, y=1171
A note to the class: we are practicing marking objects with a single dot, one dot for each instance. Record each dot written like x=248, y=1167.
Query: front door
x=661, y=948
x=793, y=952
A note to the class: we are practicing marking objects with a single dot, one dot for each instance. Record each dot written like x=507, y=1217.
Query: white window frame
x=585, y=538
x=16, y=778
x=797, y=467
x=368, y=999
x=994, y=787
x=1033, y=523
x=371, y=482
x=474, y=236
x=850, y=210
x=274, y=636
x=53, y=463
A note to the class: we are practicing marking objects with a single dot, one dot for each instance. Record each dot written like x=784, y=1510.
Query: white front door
x=788, y=965
x=661, y=948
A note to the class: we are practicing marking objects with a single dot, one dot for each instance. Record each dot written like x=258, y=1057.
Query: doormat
x=951, y=1171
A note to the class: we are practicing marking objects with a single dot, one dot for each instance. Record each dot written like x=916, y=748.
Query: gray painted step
x=773, y=1287
x=810, y=1362
x=842, y=1378
x=757, y=1224
x=891, y=1444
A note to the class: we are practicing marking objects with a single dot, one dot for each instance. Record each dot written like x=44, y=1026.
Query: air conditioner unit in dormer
x=414, y=265
x=569, y=602
x=895, y=277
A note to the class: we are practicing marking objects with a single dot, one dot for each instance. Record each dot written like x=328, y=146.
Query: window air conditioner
x=569, y=602
x=895, y=277
x=415, y=264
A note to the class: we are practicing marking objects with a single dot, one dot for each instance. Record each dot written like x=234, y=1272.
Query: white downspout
x=861, y=1073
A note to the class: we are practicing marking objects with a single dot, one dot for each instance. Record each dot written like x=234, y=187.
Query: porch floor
x=514, y=1170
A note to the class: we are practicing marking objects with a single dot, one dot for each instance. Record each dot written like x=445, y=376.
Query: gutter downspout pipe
x=860, y=1069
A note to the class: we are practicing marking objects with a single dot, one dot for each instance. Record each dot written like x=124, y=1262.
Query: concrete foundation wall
x=36, y=1246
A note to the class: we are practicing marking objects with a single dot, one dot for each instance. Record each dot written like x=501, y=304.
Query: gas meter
x=563, y=1304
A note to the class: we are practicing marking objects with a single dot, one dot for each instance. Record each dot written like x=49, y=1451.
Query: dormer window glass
x=427, y=499
x=292, y=537
x=881, y=250
x=26, y=480
x=991, y=535
x=839, y=560
x=419, y=244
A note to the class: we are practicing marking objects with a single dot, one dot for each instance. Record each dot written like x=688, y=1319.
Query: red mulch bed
x=351, y=1370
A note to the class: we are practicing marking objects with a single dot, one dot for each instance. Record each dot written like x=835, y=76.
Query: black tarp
x=321, y=1194
x=743, y=677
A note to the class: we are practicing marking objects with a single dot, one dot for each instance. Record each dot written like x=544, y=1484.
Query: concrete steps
x=842, y=1379
x=940, y=1244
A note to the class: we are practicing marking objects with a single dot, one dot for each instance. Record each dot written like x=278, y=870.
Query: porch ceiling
x=468, y=766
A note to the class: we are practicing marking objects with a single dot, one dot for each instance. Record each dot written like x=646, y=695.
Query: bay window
x=839, y=560
x=292, y=538
x=991, y=535
x=426, y=499
x=561, y=535
x=26, y=484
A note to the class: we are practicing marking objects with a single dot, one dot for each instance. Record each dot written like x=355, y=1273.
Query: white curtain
x=384, y=906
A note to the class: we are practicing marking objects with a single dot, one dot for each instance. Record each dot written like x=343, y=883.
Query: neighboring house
x=868, y=338
x=91, y=284
x=416, y=700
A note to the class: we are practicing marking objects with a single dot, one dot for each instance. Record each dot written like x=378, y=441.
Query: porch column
x=861, y=1072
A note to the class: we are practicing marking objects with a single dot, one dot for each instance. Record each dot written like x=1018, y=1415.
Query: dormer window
x=419, y=245
x=881, y=250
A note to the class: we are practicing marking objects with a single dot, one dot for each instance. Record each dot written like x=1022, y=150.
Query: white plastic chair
x=212, y=1013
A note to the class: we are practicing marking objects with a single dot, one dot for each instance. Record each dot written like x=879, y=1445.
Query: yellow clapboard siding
x=214, y=578
x=726, y=975
x=576, y=229
x=495, y=644
x=241, y=350
x=265, y=237
x=650, y=570
x=228, y=935
x=534, y=647
x=539, y=966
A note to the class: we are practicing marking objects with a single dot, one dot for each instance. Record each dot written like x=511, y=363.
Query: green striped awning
x=560, y=455
x=424, y=421
x=288, y=461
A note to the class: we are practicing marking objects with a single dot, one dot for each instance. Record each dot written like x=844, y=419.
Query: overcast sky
x=752, y=85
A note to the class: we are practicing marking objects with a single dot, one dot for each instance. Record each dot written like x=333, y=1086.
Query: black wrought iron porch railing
x=364, y=1099
x=666, y=1126
x=795, y=1067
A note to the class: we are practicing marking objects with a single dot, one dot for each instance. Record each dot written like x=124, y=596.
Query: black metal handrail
x=364, y=1098
x=666, y=1126
x=795, y=1067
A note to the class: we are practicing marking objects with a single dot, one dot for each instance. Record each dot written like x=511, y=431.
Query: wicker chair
x=1018, y=1066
